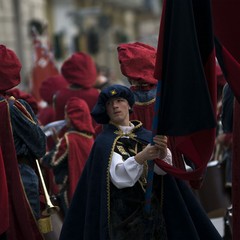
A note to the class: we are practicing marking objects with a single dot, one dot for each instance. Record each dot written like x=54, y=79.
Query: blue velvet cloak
x=88, y=215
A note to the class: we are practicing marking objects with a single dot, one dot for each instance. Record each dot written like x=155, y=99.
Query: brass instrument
x=57, y=125
x=50, y=208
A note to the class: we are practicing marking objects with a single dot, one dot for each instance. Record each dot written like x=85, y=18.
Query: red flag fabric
x=43, y=67
x=185, y=66
x=230, y=68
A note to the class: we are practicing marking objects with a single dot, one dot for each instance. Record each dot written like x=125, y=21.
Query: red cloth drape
x=185, y=66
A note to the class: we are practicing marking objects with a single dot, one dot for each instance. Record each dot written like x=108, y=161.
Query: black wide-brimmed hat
x=99, y=112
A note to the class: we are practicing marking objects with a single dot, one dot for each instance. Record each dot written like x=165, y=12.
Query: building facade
x=15, y=17
x=92, y=26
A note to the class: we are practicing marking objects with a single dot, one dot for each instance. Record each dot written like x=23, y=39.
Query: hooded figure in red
x=20, y=139
x=49, y=87
x=80, y=72
x=137, y=62
x=68, y=157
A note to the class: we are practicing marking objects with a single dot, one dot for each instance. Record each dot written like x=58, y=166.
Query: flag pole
x=150, y=174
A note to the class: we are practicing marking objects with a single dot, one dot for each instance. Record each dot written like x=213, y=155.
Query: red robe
x=144, y=112
x=19, y=222
x=77, y=146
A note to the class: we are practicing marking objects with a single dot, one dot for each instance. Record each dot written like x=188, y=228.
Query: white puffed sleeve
x=124, y=173
x=167, y=159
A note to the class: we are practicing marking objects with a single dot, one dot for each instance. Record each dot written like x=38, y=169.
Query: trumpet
x=50, y=208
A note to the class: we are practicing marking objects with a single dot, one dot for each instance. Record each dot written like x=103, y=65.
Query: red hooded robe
x=17, y=218
x=80, y=72
x=76, y=143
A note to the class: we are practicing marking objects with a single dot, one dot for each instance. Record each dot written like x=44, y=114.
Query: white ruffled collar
x=127, y=129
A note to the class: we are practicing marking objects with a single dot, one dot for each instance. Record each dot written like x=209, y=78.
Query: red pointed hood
x=80, y=69
x=79, y=114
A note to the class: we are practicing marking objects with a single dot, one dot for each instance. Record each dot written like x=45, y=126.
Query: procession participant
x=80, y=72
x=49, y=87
x=22, y=141
x=110, y=195
x=47, y=90
x=137, y=62
x=68, y=157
